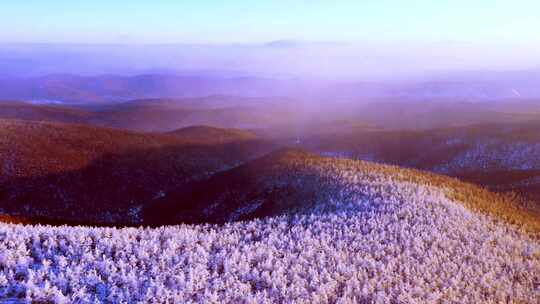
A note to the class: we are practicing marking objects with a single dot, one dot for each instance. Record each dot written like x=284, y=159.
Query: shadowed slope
x=212, y=135
x=161, y=115
x=292, y=181
x=51, y=113
x=80, y=174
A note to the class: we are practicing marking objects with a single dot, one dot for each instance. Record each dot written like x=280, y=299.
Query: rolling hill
x=85, y=174
x=387, y=234
x=493, y=145
x=95, y=87
x=503, y=157
x=161, y=115
x=169, y=115
x=438, y=113
x=212, y=135
x=52, y=113
x=101, y=89
x=294, y=181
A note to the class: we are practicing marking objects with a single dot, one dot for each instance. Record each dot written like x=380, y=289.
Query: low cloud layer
x=283, y=58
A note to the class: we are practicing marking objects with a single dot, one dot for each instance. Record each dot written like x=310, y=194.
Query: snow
x=247, y=209
x=381, y=241
x=336, y=154
x=366, y=156
x=495, y=154
x=46, y=102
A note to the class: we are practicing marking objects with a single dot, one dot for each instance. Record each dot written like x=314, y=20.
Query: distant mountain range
x=114, y=88
x=281, y=116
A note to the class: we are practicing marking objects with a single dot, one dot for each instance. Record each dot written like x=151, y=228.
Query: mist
x=369, y=61
x=306, y=70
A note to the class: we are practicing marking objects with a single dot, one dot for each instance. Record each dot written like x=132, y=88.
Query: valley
x=125, y=164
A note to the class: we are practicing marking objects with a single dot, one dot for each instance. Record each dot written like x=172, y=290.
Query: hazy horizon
x=358, y=40
x=275, y=59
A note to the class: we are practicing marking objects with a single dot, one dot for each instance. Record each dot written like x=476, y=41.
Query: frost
x=249, y=208
x=384, y=241
x=495, y=154
x=135, y=213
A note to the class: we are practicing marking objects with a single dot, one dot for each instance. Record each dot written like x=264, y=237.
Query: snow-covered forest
x=270, y=152
x=383, y=240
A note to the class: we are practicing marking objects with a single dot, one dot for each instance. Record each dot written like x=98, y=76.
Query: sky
x=237, y=21
x=361, y=38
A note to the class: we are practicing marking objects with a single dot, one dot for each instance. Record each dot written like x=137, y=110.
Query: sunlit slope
x=293, y=181
x=369, y=233
x=503, y=157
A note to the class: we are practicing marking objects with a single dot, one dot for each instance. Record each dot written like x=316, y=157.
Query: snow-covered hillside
x=384, y=239
x=494, y=154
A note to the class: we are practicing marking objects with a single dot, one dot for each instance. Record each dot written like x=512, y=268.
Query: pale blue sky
x=236, y=21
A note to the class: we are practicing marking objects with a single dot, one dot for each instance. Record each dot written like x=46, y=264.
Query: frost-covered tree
x=382, y=238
